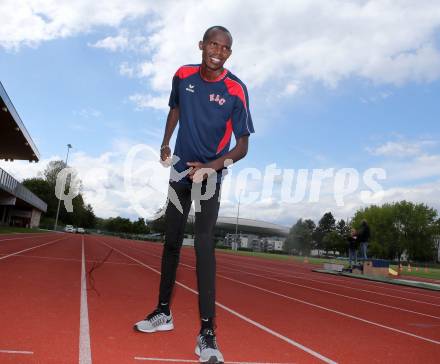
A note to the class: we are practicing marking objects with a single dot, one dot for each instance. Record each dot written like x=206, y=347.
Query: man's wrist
x=164, y=146
x=215, y=165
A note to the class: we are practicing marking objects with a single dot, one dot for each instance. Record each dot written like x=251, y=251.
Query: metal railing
x=15, y=188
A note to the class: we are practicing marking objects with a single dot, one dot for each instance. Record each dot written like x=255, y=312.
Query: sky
x=348, y=90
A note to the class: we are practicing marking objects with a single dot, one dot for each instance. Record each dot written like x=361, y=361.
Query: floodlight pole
x=59, y=200
x=236, y=222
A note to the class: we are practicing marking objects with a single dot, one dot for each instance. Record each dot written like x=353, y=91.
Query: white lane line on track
x=286, y=270
x=308, y=287
x=85, y=353
x=32, y=248
x=26, y=237
x=334, y=311
x=72, y=260
x=235, y=313
x=336, y=294
x=196, y=361
x=325, y=308
x=24, y=352
x=338, y=285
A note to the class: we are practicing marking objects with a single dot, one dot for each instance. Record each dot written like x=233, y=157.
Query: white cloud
x=383, y=95
x=288, y=213
x=23, y=169
x=401, y=149
x=143, y=101
x=104, y=179
x=417, y=168
x=408, y=162
x=279, y=211
x=118, y=43
x=88, y=113
x=126, y=70
x=387, y=42
x=396, y=149
x=122, y=42
x=107, y=189
x=324, y=41
x=30, y=22
x=291, y=89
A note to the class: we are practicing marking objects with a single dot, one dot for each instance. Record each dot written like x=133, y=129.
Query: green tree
x=300, y=237
x=325, y=226
x=140, y=227
x=44, y=191
x=343, y=230
x=44, y=188
x=52, y=170
x=332, y=241
x=119, y=225
x=400, y=227
x=158, y=225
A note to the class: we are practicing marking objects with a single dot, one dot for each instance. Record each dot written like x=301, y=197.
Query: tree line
x=123, y=225
x=397, y=229
x=44, y=187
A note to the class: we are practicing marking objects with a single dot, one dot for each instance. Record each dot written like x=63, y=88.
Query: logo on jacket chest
x=217, y=98
x=190, y=88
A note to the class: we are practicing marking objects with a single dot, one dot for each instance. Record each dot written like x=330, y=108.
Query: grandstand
x=248, y=226
x=18, y=205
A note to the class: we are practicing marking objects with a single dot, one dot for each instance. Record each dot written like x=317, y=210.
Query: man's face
x=216, y=49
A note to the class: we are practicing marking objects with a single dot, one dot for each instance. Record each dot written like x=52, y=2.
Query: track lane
x=315, y=285
x=10, y=247
x=303, y=271
x=346, y=329
x=40, y=306
x=343, y=287
x=294, y=267
x=16, y=236
x=231, y=332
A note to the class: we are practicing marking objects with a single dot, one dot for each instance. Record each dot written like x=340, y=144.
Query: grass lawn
x=9, y=230
x=282, y=256
x=256, y=254
x=433, y=273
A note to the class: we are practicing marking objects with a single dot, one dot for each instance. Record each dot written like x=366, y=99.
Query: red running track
x=73, y=299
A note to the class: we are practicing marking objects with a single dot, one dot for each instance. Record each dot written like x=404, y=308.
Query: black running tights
x=204, y=244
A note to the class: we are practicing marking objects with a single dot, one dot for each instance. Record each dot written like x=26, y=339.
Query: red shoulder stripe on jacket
x=235, y=89
x=186, y=71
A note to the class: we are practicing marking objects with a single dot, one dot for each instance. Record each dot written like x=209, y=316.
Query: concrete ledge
x=399, y=282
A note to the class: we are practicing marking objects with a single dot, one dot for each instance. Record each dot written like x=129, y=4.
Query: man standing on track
x=210, y=104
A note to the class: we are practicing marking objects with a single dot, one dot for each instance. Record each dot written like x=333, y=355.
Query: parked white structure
x=242, y=240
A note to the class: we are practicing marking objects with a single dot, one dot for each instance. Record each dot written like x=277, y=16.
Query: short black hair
x=216, y=27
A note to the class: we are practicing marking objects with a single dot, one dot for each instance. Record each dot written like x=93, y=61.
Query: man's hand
x=199, y=177
x=165, y=152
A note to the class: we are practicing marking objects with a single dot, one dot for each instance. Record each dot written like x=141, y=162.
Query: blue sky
x=330, y=96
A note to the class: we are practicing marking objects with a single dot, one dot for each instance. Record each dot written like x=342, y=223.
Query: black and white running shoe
x=155, y=321
x=207, y=348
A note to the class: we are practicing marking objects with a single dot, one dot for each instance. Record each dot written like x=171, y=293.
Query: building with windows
x=240, y=240
x=251, y=234
x=18, y=205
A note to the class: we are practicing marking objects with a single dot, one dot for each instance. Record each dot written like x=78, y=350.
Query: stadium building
x=246, y=233
x=18, y=205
